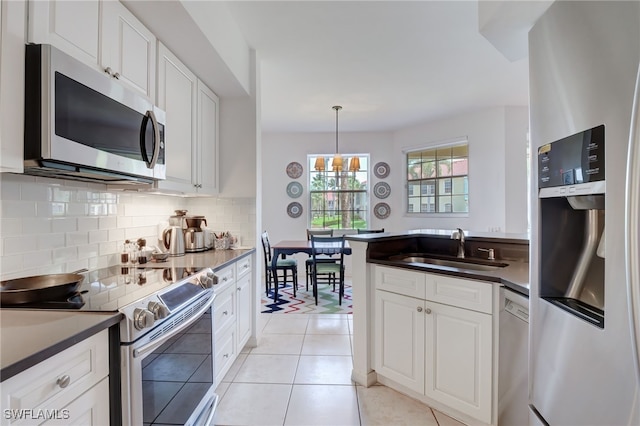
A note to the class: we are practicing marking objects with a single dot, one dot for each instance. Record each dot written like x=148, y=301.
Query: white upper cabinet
x=206, y=163
x=71, y=26
x=177, y=94
x=191, y=134
x=128, y=48
x=103, y=34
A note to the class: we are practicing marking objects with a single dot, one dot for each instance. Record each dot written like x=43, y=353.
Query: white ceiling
x=390, y=64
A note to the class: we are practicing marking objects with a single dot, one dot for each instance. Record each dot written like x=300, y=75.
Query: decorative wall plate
x=294, y=209
x=381, y=170
x=382, y=210
x=381, y=190
x=294, y=170
x=294, y=189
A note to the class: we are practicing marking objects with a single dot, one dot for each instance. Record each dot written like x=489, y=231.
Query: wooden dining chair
x=283, y=265
x=320, y=233
x=370, y=231
x=333, y=247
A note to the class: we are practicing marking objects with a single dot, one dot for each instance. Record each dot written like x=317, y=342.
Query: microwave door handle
x=156, y=139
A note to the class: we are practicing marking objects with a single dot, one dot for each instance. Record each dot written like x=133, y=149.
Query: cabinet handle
x=225, y=313
x=419, y=308
x=108, y=70
x=116, y=76
x=239, y=289
x=63, y=381
x=428, y=311
x=225, y=356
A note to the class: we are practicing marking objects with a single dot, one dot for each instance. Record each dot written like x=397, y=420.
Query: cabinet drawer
x=225, y=353
x=463, y=293
x=226, y=277
x=243, y=266
x=85, y=364
x=89, y=409
x=224, y=309
x=400, y=281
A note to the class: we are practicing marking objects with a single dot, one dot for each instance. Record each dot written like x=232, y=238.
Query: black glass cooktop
x=109, y=289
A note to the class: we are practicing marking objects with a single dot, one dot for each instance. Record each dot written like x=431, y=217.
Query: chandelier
x=337, y=162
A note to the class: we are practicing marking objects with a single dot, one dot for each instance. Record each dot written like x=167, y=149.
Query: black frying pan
x=39, y=288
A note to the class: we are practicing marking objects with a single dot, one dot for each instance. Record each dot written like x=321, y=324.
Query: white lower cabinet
x=232, y=310
x=441, y=351
x=71, y=387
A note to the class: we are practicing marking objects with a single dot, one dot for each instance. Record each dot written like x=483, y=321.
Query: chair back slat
x=327, y=246
x=266, y=247
x=319, y=232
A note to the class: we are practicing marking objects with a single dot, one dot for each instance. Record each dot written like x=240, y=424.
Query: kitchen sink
x=453, y=262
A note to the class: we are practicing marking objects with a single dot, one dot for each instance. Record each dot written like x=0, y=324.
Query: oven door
x=169, y=379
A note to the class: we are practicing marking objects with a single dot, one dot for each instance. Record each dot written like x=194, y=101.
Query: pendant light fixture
x=336, y=164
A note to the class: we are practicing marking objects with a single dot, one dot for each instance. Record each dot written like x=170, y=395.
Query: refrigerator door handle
x=632, y=224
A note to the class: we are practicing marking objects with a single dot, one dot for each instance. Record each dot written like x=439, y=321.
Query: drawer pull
x=419, y=308
x=225, y=356
x=225, y=313
x=63, y=381
x=428, y=311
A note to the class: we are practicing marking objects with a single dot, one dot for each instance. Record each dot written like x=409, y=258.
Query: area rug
x=304, y=302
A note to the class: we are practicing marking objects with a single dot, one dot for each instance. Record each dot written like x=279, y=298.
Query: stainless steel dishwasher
x=513, y=356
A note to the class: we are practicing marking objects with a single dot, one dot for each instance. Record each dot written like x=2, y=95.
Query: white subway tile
x=62, y=194
x=15, y=208
x=9, y=188
x=77, y=265
x=87, y=223
x=35, y=192
x=53, y=209
x=50, y=241
x=65, y=254
x=95, y=209
x=38, y=258
x=123, y=221
x=18, y=244
x=10, y=265
x=77, y=238
x=108, y=248
x=64, y=224
x=88, y=251
x=116, y=235
x=11, y=226
x=99, y=236
x=108, y=222
x=77, y=209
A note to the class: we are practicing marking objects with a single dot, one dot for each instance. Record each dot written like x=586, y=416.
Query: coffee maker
x=194, y=235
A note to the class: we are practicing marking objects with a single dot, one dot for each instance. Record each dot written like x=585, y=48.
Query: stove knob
x=142, y=318
x=205, y=281
x=158, y=309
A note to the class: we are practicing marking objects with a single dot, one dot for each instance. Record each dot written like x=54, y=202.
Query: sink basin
x=469, y=264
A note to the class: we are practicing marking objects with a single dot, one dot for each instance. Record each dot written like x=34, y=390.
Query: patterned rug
x=304, y=302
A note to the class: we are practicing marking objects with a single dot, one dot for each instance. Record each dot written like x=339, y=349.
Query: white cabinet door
x=128, y=48
x=206, y=161
x=177, y=92
x=89, y=409
x=12, y=50
x=72, y=26
x=459, y=359
x=244, y=310
x=400, y=334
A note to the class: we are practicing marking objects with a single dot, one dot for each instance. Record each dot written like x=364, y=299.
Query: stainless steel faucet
x=458, y=234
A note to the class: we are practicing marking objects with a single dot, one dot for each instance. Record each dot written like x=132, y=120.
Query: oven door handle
x=153, y=345
x=212, y=404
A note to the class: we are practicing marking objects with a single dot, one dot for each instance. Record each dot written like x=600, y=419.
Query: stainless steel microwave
x=83, y=125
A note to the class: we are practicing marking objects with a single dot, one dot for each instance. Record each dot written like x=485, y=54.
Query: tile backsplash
x=53, y=226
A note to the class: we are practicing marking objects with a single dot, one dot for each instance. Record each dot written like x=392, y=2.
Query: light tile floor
x=300, y=374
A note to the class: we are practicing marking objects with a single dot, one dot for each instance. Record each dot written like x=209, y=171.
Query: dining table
x=288, y=247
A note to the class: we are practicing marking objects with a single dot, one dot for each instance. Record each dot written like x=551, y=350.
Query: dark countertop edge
x=46, y=353
x=454, y=272
x=245, y=253
x=388, y=236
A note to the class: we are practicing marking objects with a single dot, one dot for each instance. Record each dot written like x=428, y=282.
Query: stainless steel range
x=166, y=339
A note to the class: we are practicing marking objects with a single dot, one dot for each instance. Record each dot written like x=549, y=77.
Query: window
x=437, y=179
x=338, y=200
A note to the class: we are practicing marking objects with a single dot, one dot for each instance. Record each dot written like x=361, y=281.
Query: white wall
x=53, y=225
x=497, y=171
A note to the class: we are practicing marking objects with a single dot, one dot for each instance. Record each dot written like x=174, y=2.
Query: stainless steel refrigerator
x=584, y=365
